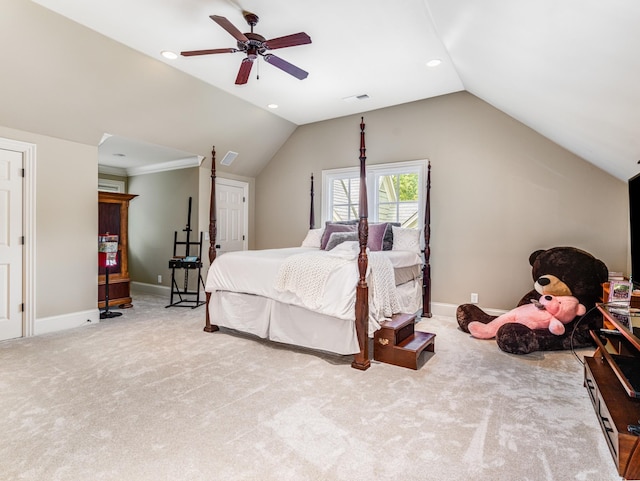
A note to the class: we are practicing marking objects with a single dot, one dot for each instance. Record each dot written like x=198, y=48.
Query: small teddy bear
x=558, y=271
x=548, y=312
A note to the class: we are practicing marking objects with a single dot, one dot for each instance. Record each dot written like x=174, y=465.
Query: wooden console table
x=613, y=388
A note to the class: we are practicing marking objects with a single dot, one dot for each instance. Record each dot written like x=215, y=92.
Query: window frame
x=108, y=185
x=374, y=172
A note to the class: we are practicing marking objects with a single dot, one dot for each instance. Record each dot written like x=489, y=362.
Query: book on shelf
x=620, y=291
x=616, y=276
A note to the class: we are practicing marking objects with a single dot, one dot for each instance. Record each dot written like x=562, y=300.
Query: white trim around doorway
x=29, y=230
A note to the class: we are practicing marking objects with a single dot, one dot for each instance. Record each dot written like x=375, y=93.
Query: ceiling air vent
x=228, y=158
x=355, y=98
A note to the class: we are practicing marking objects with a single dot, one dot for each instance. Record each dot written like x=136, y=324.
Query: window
x=106, y=185
x=395, y=193
x=345, y=197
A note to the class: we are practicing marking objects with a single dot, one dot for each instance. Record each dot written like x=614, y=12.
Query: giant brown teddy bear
x=559, y=271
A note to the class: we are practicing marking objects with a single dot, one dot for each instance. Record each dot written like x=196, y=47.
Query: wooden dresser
x=113, y=215
x=612, y=378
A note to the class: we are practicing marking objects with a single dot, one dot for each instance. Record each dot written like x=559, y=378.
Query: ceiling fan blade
x=288, y=41
x=286, y=66
x=245, y=70
x=191, y=53
x=229, y=27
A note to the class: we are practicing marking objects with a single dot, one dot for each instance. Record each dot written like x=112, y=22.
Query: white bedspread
x=333, y=290
x=306, y=275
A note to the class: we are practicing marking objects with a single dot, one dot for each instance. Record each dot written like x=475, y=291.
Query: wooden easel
x=186, y=262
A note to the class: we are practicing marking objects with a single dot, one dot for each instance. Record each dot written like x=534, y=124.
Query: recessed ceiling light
x=273, y=106
x=168, y=54
x=434, y=63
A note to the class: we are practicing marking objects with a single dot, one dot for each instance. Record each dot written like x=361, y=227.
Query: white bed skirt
x=270, y=319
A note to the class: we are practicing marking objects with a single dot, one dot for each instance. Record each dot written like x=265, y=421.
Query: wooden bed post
x=208, y=327
x=361, y=360
x=312, y=217
x=426, y=270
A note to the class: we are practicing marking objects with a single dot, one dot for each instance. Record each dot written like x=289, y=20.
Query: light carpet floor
x=150, y=396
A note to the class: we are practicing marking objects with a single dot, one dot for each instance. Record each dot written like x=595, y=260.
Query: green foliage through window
x=398, y=199
x=394, y=191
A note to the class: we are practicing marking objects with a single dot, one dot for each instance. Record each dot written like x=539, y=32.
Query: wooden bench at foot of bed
x=398, y=343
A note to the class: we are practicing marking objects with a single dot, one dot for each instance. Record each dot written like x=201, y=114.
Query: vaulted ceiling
x=569, y=69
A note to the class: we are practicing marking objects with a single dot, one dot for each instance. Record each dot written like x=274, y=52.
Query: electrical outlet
x=474, y=297
x=159, y=278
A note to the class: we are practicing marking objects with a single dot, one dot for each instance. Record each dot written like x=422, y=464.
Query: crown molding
x=185, y=163
x=105, y=169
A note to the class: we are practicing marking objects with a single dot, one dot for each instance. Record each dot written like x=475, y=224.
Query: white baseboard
x=76, y=319
x=163, y=291
x=66, y=321
x=151, y=289
x=449, y=310
x=494, y=312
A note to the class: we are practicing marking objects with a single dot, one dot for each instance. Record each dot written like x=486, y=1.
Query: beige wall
x=66, y=218
x=159, y=211
x=67, y=81
x=499, y=192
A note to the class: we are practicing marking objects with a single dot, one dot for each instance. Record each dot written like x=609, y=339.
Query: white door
x=231, y=215
x=11, y=246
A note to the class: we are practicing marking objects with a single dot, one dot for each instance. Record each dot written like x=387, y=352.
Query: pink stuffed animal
x=551, y=312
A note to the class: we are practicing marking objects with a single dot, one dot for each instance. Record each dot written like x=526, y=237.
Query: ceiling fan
x=253, y=45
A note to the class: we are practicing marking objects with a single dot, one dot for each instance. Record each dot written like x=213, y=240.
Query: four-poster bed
x=305, y=296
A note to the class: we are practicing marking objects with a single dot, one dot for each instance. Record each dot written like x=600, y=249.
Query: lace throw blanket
x=306, y=275
x=382, y=283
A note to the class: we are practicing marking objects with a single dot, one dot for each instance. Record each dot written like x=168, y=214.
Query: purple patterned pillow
x=376, y=236
x=338, y=238
x=330, y=228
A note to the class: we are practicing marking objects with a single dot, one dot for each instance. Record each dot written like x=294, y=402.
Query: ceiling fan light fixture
x=169, y=54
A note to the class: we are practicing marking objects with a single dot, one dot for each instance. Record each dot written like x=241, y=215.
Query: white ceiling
x=122, y=156
x=569, y=69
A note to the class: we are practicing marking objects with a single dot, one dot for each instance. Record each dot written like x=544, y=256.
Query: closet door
x=232, y=213
x=11, y=245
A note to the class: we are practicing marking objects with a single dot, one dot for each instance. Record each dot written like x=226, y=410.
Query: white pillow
x=313, y=238
x=406, y=239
